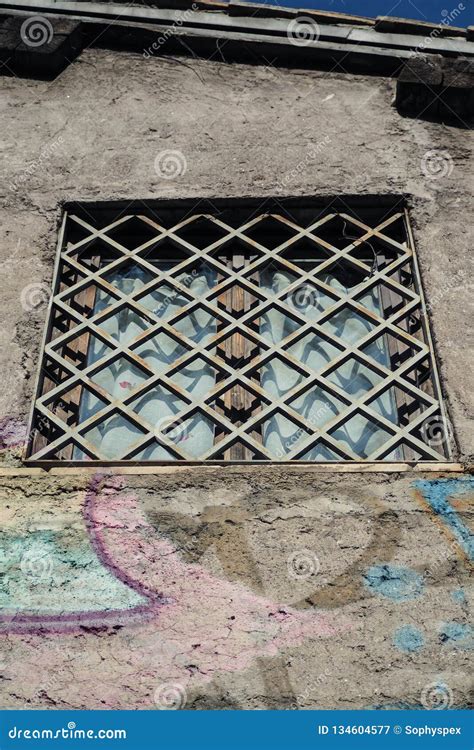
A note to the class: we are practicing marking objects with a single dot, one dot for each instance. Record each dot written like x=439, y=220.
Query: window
x=290, y=330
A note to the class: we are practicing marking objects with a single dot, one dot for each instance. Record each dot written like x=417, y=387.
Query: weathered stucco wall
x=95, y=132
x=229, y=587
x=226, y=588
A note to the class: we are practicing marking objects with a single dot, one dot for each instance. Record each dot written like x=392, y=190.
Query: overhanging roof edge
x=210, y=21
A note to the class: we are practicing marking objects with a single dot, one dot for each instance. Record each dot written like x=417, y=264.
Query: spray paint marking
x=457, y=635
x=438, y=493
x=394, y=582
x=196, y=601
x=408, y=639
x=147, y=603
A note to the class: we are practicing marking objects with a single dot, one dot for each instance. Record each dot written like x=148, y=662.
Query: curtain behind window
x=159, y=405
x=279, y=435
x=318, y=406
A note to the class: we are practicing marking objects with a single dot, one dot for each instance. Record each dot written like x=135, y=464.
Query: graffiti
x=12, y=434
x=408, y=639
x=441, y=495
x=459, y=596
x=224, y=532
x=105, y=607
x=394, y=582
x=457, y=635
x=122, y=551
x=43, y=573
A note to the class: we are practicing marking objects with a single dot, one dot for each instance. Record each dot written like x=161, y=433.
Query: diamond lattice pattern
x=273, y=338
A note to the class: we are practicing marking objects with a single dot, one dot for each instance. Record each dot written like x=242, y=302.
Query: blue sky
x=424, y=10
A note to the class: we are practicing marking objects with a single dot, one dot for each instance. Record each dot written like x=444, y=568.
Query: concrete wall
x=95, y=132
x=229, y=587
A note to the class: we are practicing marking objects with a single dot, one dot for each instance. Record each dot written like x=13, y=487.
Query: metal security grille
x=285, y=280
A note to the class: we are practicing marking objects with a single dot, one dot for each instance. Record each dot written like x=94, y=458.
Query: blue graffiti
x=44, y=571
x=396, y=583
x=437, y=493
x=408, y=639
x=458, y=635
x=459, y=596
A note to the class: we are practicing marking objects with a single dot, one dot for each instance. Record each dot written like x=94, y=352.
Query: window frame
x=265, y=206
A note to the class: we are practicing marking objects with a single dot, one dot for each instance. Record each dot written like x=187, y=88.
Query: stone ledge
x=62, y=43
x=430, y=86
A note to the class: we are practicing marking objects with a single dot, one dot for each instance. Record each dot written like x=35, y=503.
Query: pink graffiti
x=127, y=536
x=61, y=623
x=12, y=433
x=193, y=624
